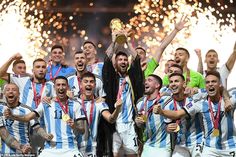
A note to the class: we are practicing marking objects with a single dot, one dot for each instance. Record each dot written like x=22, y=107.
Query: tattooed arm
x=12, y=142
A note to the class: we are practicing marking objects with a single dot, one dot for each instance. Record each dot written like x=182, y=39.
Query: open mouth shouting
x=146, y=88
x=177, y=60
x=10, y=98
x=211, y=91
x=61, y=93
x=88, y=90
x=123, y=67
x=80, y=66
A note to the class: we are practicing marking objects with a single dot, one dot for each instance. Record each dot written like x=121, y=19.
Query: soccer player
x=157, y=140
x=11, y=141
x=218, y=125
x=93, y=64
x=189, y=131
x=62, y=117
x=18, y=67
x=211, y=60
x=93, y=111
x=193, y=79
x=80, y=61
x=56, y=66
x=149, y=65
x=19, y=130
x=32, y=90
x=126, y=84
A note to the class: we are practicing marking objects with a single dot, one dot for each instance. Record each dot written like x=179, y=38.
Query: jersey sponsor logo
x=9, y=122
x=189, y=105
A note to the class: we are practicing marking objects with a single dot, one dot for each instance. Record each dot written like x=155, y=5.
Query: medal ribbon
x=78, y=79
x=145, y=104
x=91, y=111
x=215, y=120
x=57, y=72
x=121, y=87
x=175, y=108
x=63, y=107
x=37, y=99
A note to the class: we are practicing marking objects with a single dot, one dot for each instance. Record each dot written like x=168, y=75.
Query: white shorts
x=91, y=153
x=212, y=152
x=193, y=151
x=149, y=151
x=53, y=152
x=127, y=139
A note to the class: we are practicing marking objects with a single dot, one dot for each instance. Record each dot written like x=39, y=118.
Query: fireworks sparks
x=20, y=32
x=29, y=28
x=207, y=28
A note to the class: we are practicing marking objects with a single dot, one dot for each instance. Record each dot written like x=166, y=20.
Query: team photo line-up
x=118, y=106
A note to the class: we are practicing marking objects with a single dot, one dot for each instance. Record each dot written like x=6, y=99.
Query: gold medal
x=144, y=117
x=177, y=128
x=216, y=132
x=65, y=117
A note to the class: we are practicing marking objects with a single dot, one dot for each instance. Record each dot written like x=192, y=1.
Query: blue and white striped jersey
x=74, y=86
x=63, y=136
x=93, y=115
x=19, y=130
x=96, y=68
x=155, y=128
x=227, y=137
x=191, y=131
x=25, y=85
x=126, y=114
x=26, y=90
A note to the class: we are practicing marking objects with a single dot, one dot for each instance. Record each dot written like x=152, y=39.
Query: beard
x=40, y=77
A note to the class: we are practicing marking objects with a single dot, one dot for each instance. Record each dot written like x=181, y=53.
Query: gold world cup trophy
x=117, y=27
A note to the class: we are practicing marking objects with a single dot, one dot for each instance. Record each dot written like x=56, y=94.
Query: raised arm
x=111, y=49
x=131, y=49
x=3, y=69
x=200, y=63
x=231, y=60
x=167, y=40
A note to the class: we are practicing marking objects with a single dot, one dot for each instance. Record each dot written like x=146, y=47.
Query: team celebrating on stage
x=118, y=107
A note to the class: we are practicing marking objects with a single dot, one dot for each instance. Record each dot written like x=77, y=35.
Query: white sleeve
x=19, y=81
x=193, y=108
x=224, y=73
x=139, y=106
x=99, y=86
x=103, y=106
x=2, y=121
x=169, y=106
x=232, y=93
x=40, y=109
x=79, y=113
